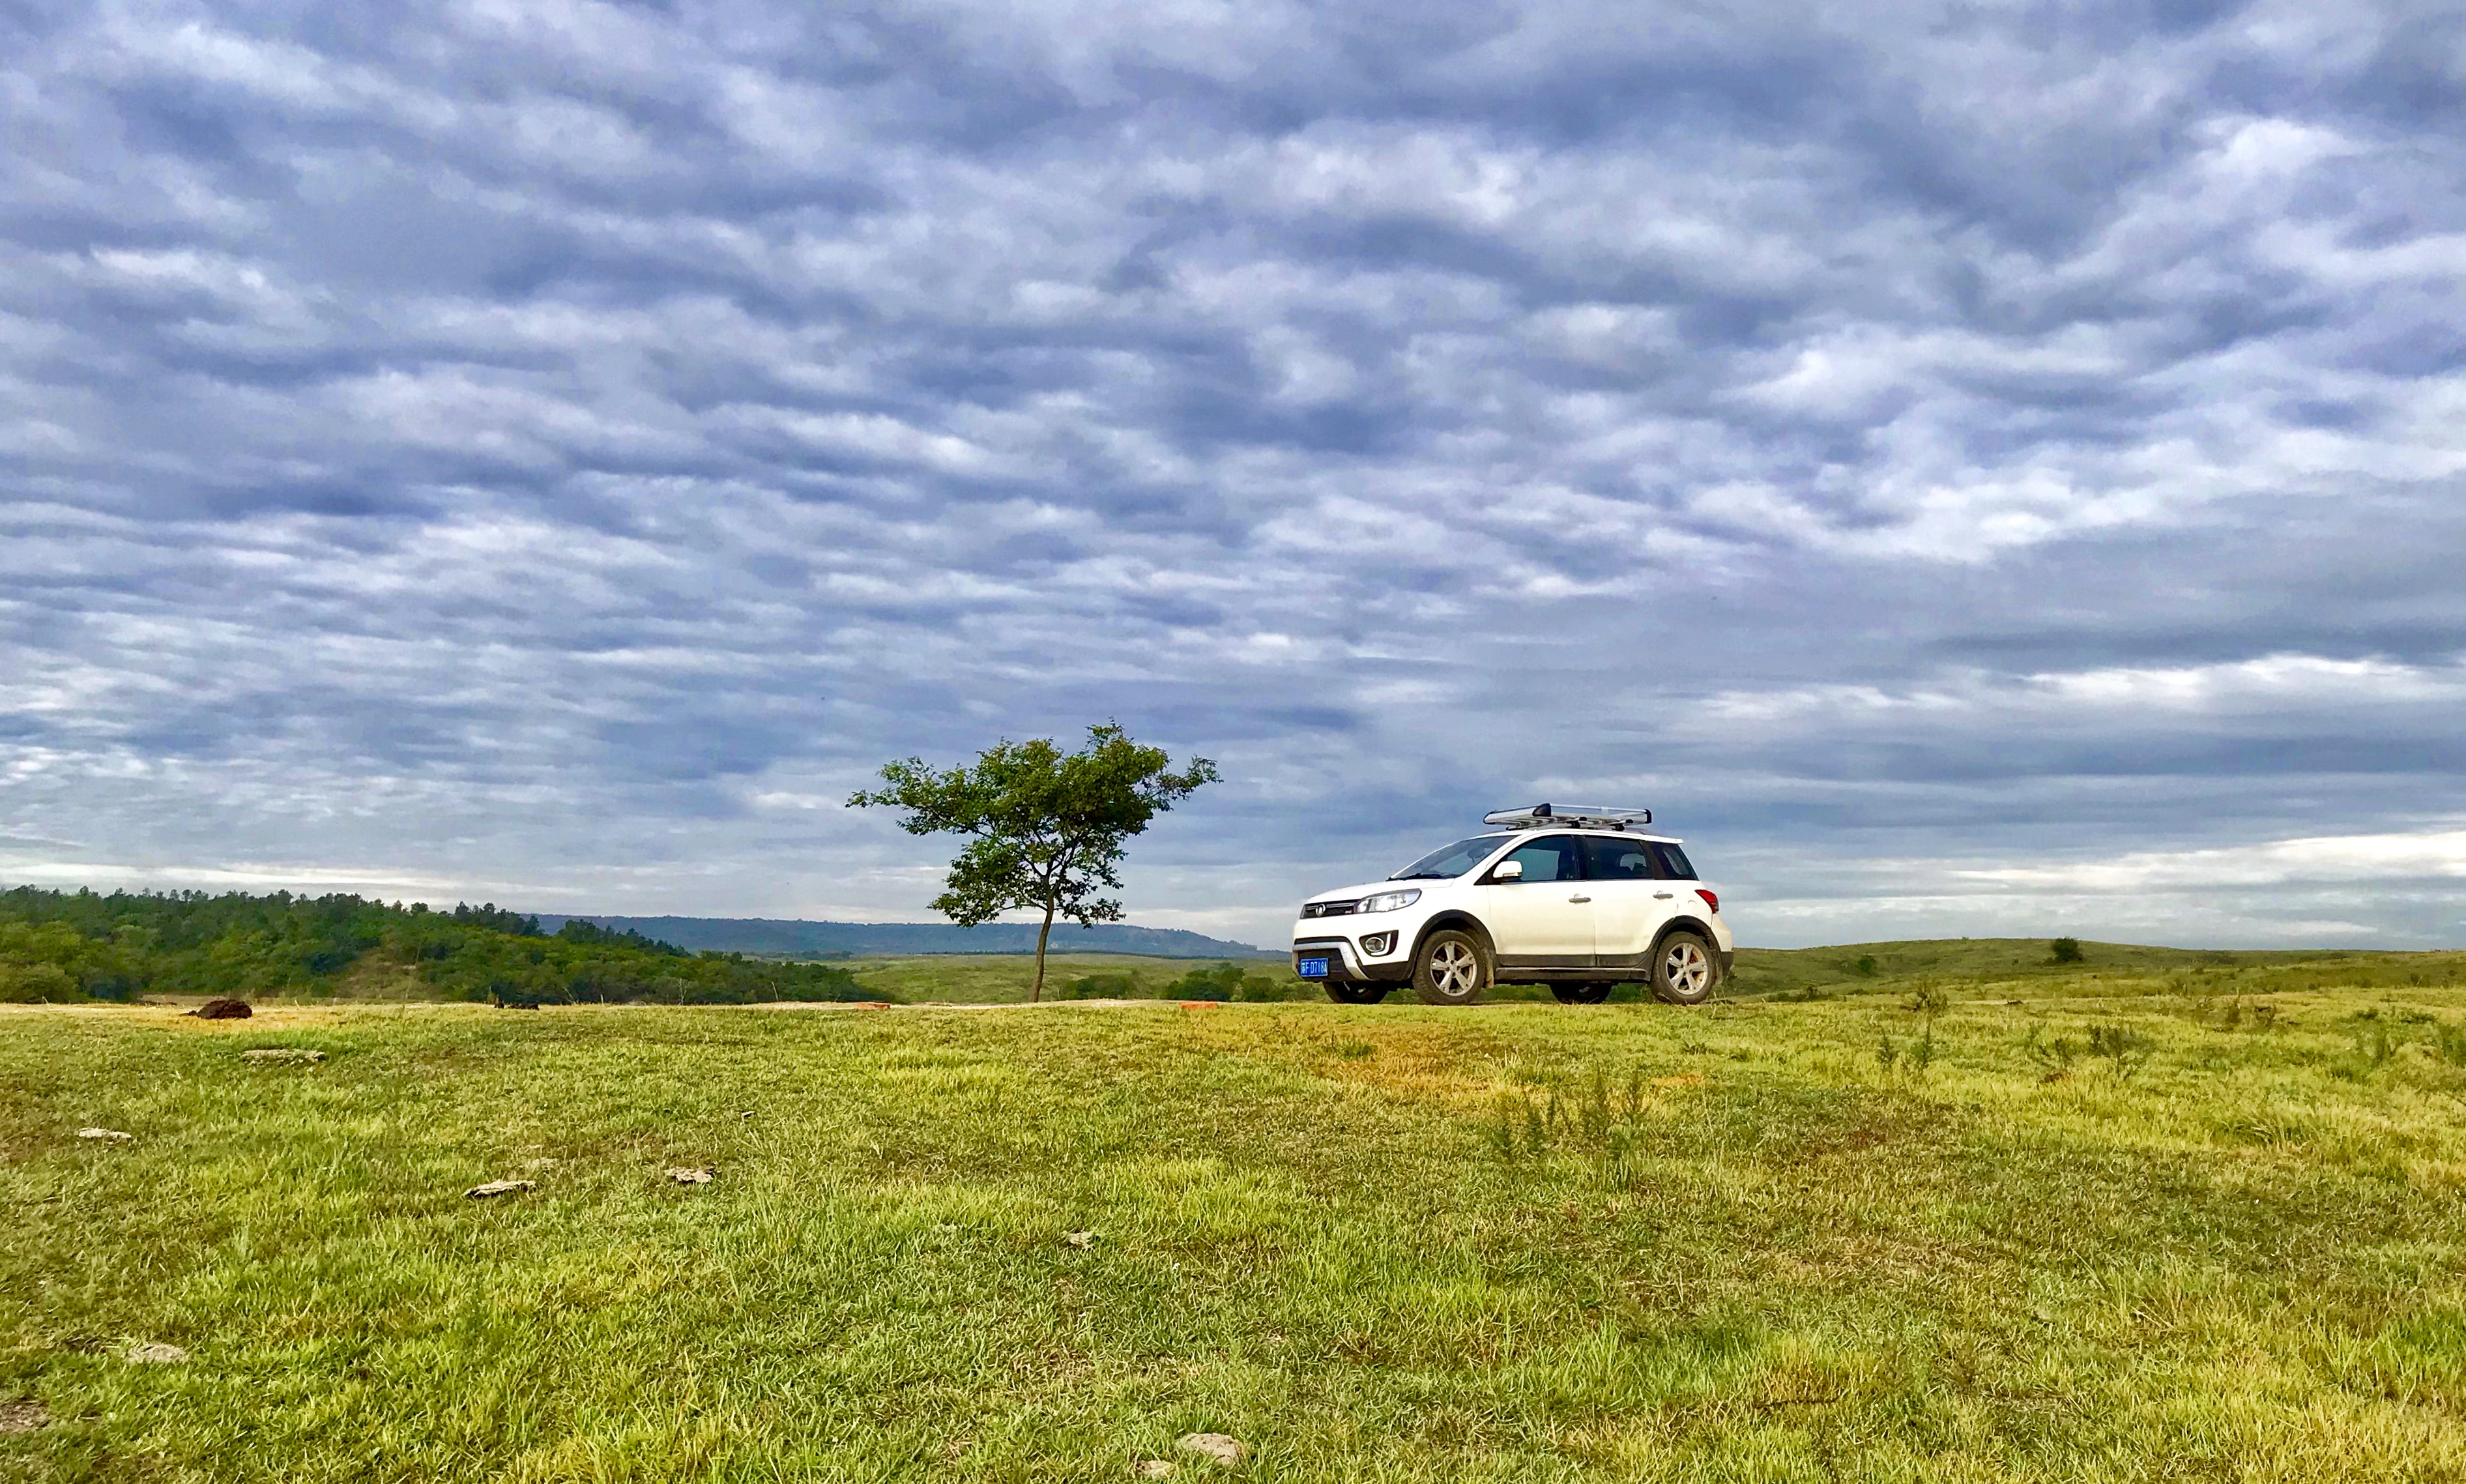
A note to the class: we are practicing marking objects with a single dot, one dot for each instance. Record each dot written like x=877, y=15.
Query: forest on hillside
x=62, y=946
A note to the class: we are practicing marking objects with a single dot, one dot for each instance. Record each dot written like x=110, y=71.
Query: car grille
x=1328, y=908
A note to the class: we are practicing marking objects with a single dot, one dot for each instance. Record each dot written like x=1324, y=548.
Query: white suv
x=1579, y=900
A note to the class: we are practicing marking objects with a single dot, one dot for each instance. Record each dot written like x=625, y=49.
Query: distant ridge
x=776, y=935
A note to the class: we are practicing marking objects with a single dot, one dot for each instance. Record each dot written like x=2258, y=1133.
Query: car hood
x=1355, y=893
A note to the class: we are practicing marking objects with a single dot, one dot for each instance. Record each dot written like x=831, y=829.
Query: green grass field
x=977, y=978
x=1965, y=1219
x=982, y=978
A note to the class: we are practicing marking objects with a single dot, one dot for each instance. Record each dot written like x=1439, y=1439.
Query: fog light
x=1379, y=945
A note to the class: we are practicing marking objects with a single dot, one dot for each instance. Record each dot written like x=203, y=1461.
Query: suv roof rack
x=1576, y=815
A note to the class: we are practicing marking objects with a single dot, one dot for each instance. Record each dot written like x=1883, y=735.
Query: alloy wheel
x=1687, y=968
x=1454, y=969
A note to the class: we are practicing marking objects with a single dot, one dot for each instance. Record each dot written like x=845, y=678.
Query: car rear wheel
x=1355, y=994
x=1580, y=994
x=1684, y=971
x=1452, y=968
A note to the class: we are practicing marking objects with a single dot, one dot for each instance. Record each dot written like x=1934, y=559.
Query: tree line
x=84, y=945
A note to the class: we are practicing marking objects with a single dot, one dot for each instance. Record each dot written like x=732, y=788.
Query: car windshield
x=1450, y=860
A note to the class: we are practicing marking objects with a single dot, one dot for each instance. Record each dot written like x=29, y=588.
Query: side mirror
x=1508, y=870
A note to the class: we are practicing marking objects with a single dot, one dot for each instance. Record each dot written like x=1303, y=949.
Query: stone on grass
x=283, y=1054
x=154, y=1352
x=1081, y=1239
x=1217, y=1447
x=223, y=1010
x=702, y=1176
x=1153, y=1468
x=500, y=1187
x=113, y=1134
x=22, y=1416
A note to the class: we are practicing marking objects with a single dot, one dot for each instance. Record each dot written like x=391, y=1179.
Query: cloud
x=537, y=444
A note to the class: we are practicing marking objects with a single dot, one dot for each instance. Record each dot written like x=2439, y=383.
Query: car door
x=1545, y=919
x=1631, y=903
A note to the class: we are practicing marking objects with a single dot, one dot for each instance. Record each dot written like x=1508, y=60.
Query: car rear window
x=1617, y=860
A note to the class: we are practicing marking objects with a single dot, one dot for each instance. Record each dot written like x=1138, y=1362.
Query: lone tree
x=1048, y=825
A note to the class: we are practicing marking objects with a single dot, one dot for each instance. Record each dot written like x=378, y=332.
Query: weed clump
x=1911, y=1061
x=2376, y=1046
x=1599, y=1119
x=2449, y=1043
x=2126, y=1051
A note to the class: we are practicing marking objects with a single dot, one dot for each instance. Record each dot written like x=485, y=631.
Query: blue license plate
x=1313, y=968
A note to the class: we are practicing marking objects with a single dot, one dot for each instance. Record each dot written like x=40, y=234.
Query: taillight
x=1710, y=900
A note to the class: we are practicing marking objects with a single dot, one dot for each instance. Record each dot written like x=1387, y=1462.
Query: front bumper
x=1348, y=964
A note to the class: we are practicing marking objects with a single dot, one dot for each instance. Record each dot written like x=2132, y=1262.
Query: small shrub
x=31, y=983
x=2065, y=951
x=1910, y=1061
x=2055, y=1055
x=1231, y=982
x=1928, y=1000
x=1218, y=982
x=1104, y=986
x=1265, y=988
x=2126, y=1051
x=1864, y=966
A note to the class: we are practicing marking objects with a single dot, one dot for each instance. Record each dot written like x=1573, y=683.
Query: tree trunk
x=1036, y=994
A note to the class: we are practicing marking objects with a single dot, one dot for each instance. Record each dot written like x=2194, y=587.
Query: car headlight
x=1388, y=901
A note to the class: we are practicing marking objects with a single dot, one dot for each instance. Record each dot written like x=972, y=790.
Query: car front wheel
x=1452, y=968
x=1683, y=971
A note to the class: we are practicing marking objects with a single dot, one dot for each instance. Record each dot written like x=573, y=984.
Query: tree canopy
x=84, y=945
x=1049, y=828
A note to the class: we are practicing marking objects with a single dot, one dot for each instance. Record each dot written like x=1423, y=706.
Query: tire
x=1450, y=968
x=1580, y=994
x=1355, y=994
x=1684, y=970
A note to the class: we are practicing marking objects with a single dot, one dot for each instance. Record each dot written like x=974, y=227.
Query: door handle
x=1579, y=897
x=1662, y=896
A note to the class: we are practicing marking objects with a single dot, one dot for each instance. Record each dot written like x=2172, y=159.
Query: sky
x=1971, y=469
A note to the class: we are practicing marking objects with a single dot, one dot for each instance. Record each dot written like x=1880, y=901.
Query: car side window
x=1674, y=863
x=1552, y=859
x=1617, y=860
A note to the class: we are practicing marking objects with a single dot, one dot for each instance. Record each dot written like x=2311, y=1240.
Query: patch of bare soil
x=23, y=1416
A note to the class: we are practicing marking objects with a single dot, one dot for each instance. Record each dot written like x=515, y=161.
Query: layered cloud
x=555, y=450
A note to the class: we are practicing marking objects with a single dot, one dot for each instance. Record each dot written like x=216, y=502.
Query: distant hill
x=816, y=940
